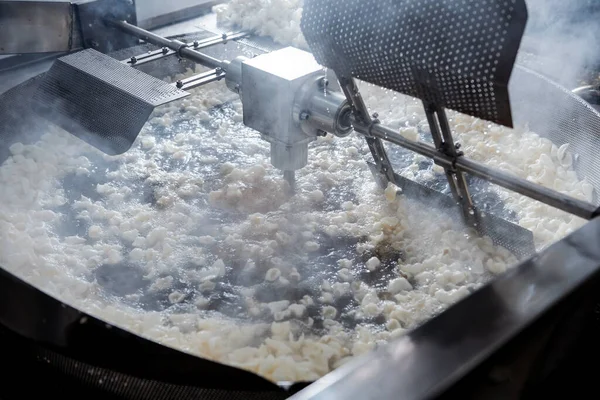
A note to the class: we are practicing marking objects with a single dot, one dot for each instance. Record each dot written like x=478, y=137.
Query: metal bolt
x=179, y=84
x=375, y=115
x=165, y=50
x=224, y=36
x=321, y=133
x=457, y=146
x=218, y=70
x=304, y=115
x=323, y=83
x=196, y=44
x=133, y=60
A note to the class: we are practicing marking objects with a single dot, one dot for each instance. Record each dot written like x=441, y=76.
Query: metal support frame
x=196, y=45
x=446, y=155
x=537, y=192
x=182, y=49
x=383, y=166
x=442, y=138
x=201, y=79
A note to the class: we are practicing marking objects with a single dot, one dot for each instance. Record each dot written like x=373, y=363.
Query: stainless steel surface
x=16, y=76
x=96, y=33
x=174, y=44
x=456, y=54
x=555, y=199
x=100, y=100
x=288, y=157
x=196, y=45
x=589, y=93
x=38, y=27
x=318, y=109
x=269, y=86
x=516, y=239
x=234, y=74
x=207, y=22
x=431, y=358
x=444, y=142
x=200, y=79
x=384, y=171
x=290, y=178
x=158, y=13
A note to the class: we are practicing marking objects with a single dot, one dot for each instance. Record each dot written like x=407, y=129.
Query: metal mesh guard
x=514, y=238
x=458, y=54
x=100, y=100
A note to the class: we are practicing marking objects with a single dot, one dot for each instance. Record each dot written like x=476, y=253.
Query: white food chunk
x=316, y=196
x=393, y=324
x=114, y=256
x=272, y=274
x=278, y=306
x=161, y=284
x=176, y=297
x=398, y=285
x=326, y=298
x=148, y=142
x=311, y=246
x=136, y=255
x=372, y=310
x=297, y=310
x=207, y=286
x=207, y=240
x=329, y=312
x=95, y=232
x=131, y=235
x=373, y=264
x=495, y=267
x=345, y=275
x=391, y=192
x=16, y=148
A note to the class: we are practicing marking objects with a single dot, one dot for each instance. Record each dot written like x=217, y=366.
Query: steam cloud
x=566, y=35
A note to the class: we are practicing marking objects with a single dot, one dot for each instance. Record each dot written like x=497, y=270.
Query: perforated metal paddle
x=100, y=100
x=457, y=54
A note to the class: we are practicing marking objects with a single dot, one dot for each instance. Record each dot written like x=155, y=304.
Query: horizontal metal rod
x=176, y=45
x=149, y=57
x=167, y=52
x=522, y=186
x=200, y=79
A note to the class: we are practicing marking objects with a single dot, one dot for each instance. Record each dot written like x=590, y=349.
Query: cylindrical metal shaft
x=176, y=45
x=548, y=196
x=290, y=178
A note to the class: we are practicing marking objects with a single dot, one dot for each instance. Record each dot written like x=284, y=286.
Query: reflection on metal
x=201, y=79
x=442, y=351
x=157, y=13
x=591, y=94
x=196, y=45
x=37, y=27
x=183, y=49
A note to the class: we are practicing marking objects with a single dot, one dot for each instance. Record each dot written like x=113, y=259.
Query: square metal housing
x=270, y=83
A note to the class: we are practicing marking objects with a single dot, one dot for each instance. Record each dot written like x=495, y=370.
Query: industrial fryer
x=510, y=338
